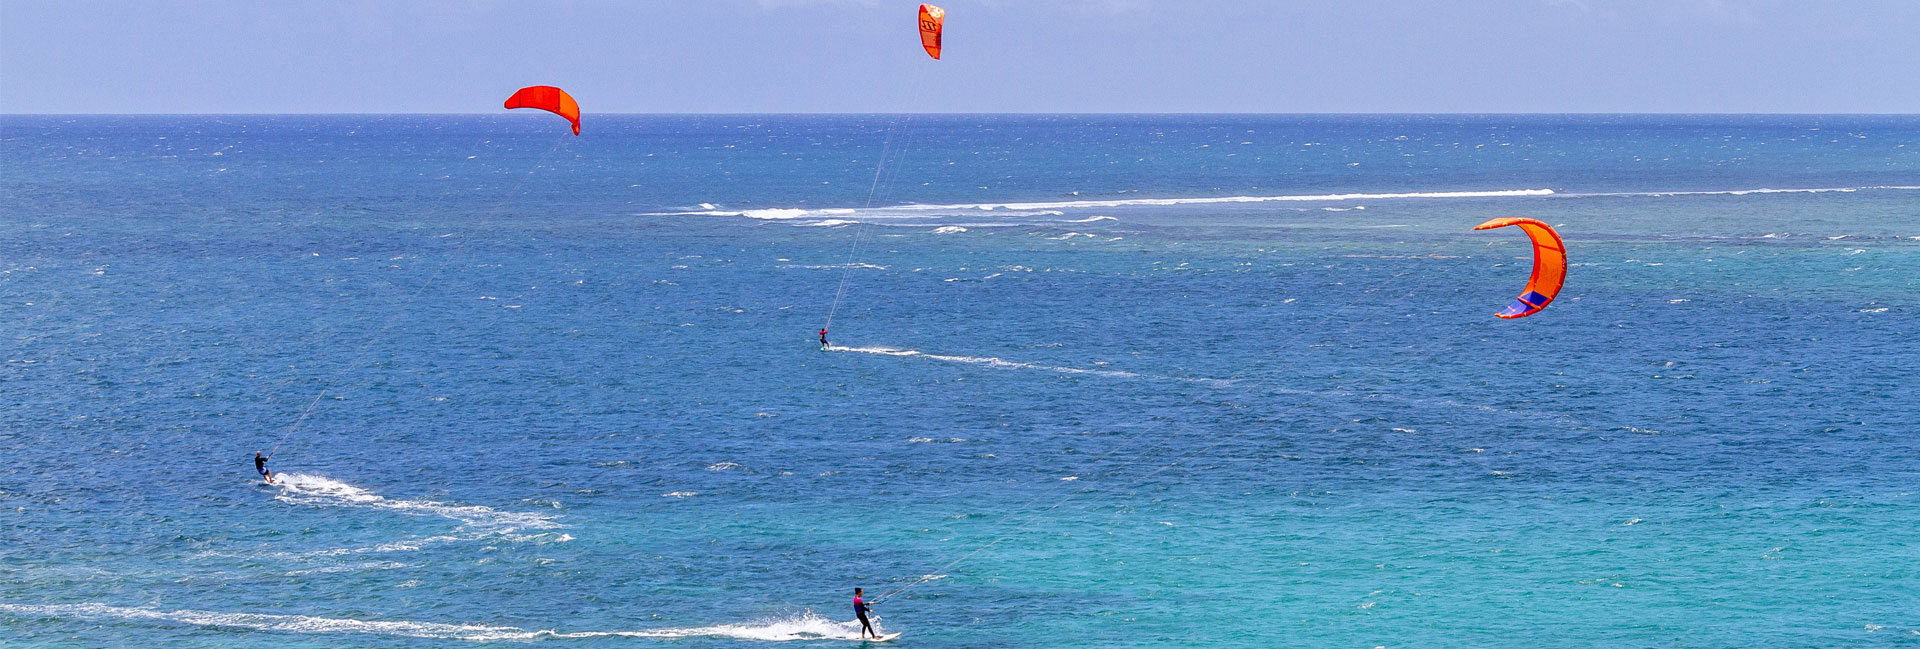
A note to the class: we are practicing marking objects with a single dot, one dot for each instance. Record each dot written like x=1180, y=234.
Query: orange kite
x=932, y=21
x=1549, y=266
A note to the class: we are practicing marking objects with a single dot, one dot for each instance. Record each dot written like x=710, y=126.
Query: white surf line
x=990, y=361
x=1031, y=207
x=1039, y=208
x=1308, y=198
x=804, y=626
x=1744, y=192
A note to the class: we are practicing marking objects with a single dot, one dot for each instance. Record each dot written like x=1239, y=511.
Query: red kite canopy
x=1549, y=266
x=548, y=98
x=932, y=20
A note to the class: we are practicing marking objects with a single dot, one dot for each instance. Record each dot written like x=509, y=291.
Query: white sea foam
x=827, y=223
x=949, y=229
x=793, y=213
x=804, y=626
x=1091, y=219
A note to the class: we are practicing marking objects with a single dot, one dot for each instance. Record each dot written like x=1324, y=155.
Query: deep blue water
x=567, y=384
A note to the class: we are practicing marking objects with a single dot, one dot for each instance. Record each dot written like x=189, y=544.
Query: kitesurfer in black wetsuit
x=260, y=464
x=823, y=339
x=860, y=610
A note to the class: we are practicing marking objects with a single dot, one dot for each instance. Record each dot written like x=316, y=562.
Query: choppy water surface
x=1125, y=381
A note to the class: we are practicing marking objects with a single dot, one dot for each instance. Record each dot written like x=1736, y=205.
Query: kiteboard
x=884, y=638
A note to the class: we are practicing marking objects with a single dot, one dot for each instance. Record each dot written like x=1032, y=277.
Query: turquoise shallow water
x=1131, y=381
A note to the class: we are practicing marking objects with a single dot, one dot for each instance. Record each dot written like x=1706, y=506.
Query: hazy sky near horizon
x=443, y=56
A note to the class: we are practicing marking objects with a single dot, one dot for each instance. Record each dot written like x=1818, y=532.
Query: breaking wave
x=1053, y=208
x=1014, y=210
x=1746, y=192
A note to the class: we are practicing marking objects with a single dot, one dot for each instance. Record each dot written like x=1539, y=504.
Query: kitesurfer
x=823, y=339
x=260, y=464
x=860, y=610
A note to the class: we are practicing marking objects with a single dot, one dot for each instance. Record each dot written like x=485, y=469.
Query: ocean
x=1097, y=381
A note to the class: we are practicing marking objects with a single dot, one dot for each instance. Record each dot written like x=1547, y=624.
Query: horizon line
x=843, y=113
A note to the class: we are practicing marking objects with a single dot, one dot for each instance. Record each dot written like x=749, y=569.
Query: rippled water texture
x=1114, y=381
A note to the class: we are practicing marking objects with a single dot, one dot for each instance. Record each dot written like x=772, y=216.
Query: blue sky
x=301, y=56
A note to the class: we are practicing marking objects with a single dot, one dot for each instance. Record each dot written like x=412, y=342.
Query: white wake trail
x=990, y=361
x=271, y=622
x=804, y=626
x=476, y=521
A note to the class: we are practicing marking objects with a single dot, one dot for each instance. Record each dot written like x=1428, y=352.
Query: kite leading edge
x=550, y=99
x=932, y=21
x=1549, y=266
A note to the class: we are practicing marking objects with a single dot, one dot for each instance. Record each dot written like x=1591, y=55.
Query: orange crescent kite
x=1549, y=266
x=932, y=21
x=550, y=99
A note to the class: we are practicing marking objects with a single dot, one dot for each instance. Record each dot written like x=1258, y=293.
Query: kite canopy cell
x=932, y=21
x=1549, y=266
x=550, y=99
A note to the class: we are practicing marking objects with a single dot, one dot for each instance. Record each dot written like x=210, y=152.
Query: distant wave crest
x=1748, y=192
x=1015, y=210
x=1053, y=208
